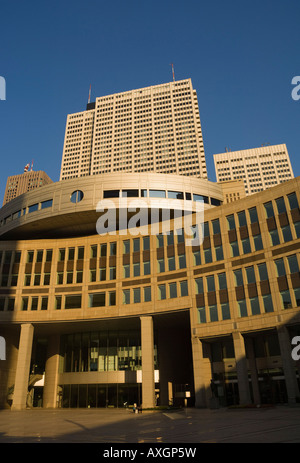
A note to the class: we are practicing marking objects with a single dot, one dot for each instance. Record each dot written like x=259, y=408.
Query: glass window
x=136, y=295
x=33, y=208
x=126, y=271
x=160, y=265
x=76, y=196
x=61, y=255
x=222, y=281
x=208, y=256
x=173, y=290
x=242, y=218
x=210, y=280
x=297, y=229
x=130, y=193
x=103, y=250
x=126, y=296
x=216, y=227
x=268, y=303
x=146, y=243
x=225, y=311
x=293, y=201
x=37, y=279
x=136, y=245
x=242, y=306
x=219, y=253
x=183, y=288
x=112, y=298
x=157, y=194
x=24, y=305
x=197, y=257
x=274, y=237
x=29, y=257
x=94, y=251
x=280, y=267
x=269, y=209
x=171, y=263
x=199, y=285
x=160, y=241
x=263, y=272
x=234, y=246
x=206, y=229
x=147, y=294
x=34, y=303
x=69, y=277
x=286, y=299
x=230, y=222
x=147, y=269
x=58, y=300
x=17, y=258
x=287, y=234
x=280, y=205
x=112, y=273
x=213, y=313
x=71, y=254
x=136, y=269
x=175, y=194
x=79, y=276
x=258, y=244
x=246, y=246
x=113, y=249
x=180, y=235
x=254, y=303
x=161, y=292
x=250, y=275
x=60, y=278
x=44, y=303
x=201, y=198
x=201, y=315
x=39, y=256
x=182, y=261
x=293, y=264
x=80, y=254
x=111, y=194
x=46, y=204
x=102, y=274
x=238, y=275
x=297, y=296
x=253, y=215
x=170, y=238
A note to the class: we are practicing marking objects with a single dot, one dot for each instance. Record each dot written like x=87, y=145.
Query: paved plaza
x=280, y=424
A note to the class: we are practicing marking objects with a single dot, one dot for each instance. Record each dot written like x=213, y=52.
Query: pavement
x=121, y=426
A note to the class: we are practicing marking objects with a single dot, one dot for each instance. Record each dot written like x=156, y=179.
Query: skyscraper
x=260, y=168
x=153, y=129
x=18, y=184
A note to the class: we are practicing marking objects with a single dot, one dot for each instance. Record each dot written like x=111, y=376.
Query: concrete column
x=241, y=368
x=148, y=382
x=202, y=375
x=23, y=367
x=253, y=371
x=51, y=373
x=288, y=364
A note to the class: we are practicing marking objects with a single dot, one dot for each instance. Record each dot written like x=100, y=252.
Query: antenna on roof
x=173, y=71
x=89, y=100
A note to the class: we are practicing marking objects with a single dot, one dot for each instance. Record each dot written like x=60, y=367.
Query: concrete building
x=143, y=315
x=153, y=129
x=260, y=168
x=16, y=185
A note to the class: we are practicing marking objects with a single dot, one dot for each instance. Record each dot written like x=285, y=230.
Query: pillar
x=23, y=367
x=202, y=375
x=253, y=371
x=288, y=364
x=51, y=373
x=241, y=368
x=148, y=381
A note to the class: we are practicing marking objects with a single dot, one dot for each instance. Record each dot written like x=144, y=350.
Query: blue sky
x=240, y=55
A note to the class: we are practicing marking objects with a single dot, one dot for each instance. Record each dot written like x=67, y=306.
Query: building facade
x=147, y=315
x=153, y=129
x=16, y=185
x=260, y=168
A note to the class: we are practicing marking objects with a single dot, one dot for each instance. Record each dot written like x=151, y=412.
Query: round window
x=76, y=196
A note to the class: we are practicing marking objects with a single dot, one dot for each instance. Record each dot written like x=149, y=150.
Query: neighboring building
x=153, y=129
x=16, y=185
x=233, y=190
x=100, y=320
x=260, y=168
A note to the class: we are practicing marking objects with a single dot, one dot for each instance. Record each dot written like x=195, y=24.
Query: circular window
x=76, y=196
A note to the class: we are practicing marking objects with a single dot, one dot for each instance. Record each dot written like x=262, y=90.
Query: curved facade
x=133, y=316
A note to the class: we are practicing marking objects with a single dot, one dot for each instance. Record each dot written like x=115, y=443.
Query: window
x=130, y=193
x=216, y=227
x=58, y=300
x=160, y=265
x=268, y=303
x=161, y=292
x=29, y=257
x=146, y=243
x=280, y=267
x=73, y=302
x=287, y=234
x=49, y=253
x=80, y=253
x=246, y=246
x=69, y=278
x=94, y=250
x=280, y=205
x=37, y=279
x=71, y=254
x=208, y=256
x=242, y=219
x=213, y=313
x=112, y=298
x=170, y=238
x=61, y=255
x=33, y=208
x=136, y=269
x=126, y=271
x=219, y=253
x=24, y=305
x=250, y=275
x=160, y=241
x=210, y=281
x=263, y=272
x=103, y=250
x=182, y=261
x=197, y=257
x=269, y=210
x=172, y=290
x=175, y=194
x=286, y=302
x=79, y=276
x=27, y=279
x=184, y=288
x=46, y=204
x=274, y=237
x=225, y=310
x=258, y=244
x=137, y=295
x=76, y=196
x=112, y=273
x=222, y=281
x=293, y=264
x=157, y=194
x=34, y=303
x=293, y=201
x=44, y=303
x=136, y=245
x=230, y=222
x=254, y=303
x=238, y=275
x=113, y=249
x=201, y=315
x=97, y=300
x=147, y=269
x=234, y=246
x=111, y=194
x=253, y=215
x=199, y=285
x=171, y=263
x=147, y=294
x=39, y=256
